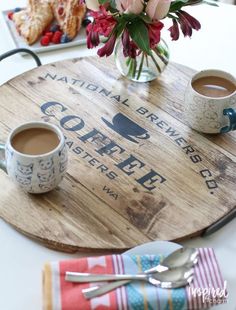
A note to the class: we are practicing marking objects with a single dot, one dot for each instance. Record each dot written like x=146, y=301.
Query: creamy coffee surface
x=35, y=141
x=213, y=86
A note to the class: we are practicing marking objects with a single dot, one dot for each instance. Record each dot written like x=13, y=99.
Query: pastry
x=31, y=22
x=69, y=15
x=19, y=18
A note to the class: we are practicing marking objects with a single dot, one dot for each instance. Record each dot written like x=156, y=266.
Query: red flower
x=174, y=30
x=184, y=25
x=192, y=21
x=129, y=47
x=187, y=23
x=103, y=22
x=108, y=48
x=92, y=37
x=154, y=33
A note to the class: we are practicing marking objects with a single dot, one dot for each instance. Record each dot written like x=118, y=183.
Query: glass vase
x=142, y=68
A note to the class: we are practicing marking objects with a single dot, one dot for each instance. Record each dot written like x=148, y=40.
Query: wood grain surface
x=136, y=173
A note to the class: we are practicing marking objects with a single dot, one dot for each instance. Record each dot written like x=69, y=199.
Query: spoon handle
x=86, y=277
x=96, y=291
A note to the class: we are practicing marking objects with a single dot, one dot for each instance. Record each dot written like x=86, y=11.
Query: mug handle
x=231, y=113
x=3, y=165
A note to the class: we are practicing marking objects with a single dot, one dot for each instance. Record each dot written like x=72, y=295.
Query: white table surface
x=21, y=260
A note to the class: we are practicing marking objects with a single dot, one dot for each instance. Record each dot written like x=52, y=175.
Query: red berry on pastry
x=10, y=15
x=58, y=33
x=46, y=30
x=45, y=41
x=49, y=35
x=56, y=39
x=61, y=11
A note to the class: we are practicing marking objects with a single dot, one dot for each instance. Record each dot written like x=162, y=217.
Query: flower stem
x=162, y=57
x=140, y=67
x=146, y=56
x=131, y=68
x=155, y=62
x=128, y=61
x=134, y=68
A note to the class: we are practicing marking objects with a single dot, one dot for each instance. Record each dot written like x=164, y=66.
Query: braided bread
x=69, y=15
x=31, y=22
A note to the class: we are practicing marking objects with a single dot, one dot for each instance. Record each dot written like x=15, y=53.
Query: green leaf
x=129, y=17
x=145, y=18
x=177, y=5
x=139, y=34
x=102, y=2
x=112, y=3
x=120, y=27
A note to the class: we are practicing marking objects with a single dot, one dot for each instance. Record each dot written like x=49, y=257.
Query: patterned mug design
x=207, y=114
x=36, y=173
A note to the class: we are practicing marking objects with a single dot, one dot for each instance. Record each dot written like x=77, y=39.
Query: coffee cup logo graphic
x=127, y=128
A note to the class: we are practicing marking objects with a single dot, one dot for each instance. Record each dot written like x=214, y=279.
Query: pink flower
x=130, y=6
x=108, y=48
x=157, y=9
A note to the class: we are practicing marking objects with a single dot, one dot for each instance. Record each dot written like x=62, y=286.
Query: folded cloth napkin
x=207, y=288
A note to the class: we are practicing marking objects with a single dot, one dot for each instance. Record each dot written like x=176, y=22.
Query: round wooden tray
x=136, y=171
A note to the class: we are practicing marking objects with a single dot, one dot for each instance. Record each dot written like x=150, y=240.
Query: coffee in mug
x=35, y=141
x=35, y=156
x=210, y=102
x=213, y=86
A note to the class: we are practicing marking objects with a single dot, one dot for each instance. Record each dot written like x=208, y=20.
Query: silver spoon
x=171, y=274
x=182, y=257
x=174, y=278
x=185, y=256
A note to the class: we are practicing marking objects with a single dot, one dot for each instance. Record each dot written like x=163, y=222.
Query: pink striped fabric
x=207, y=288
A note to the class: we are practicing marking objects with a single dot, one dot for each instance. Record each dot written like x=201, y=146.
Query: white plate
x=37, y=47
x=154, y=248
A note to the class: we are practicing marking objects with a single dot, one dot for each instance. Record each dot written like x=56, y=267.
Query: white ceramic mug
x=35, y=173
x=207, y=114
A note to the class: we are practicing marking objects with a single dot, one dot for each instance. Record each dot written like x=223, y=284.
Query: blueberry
x=65, y=38
x=54, y=28
x=17, y=10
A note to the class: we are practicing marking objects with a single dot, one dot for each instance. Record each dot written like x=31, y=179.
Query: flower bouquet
x=133, y=29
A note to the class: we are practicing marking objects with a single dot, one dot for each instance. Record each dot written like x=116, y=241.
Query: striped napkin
x=207, y=288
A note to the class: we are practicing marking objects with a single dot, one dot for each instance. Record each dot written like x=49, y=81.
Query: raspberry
x=60, y=10
x=58, y=33
x=45, y=41
x=56, y=39
x=49, y=35
x=54, y=28
x=10, y=15
x=46, y=30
